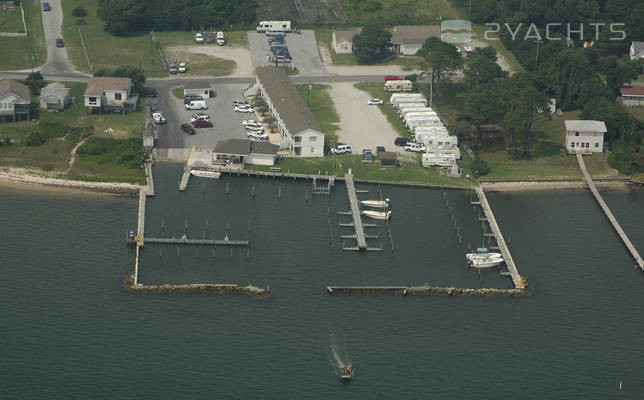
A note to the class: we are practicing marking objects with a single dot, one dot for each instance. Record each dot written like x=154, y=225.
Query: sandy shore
x=21, y=177
x=548, y=185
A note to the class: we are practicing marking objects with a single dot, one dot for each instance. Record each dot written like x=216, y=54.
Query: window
x=117, y=96
x=576, y=133
x=312, y=149
x=596, y=145
x=92, y=99
x=587, y=145
x=572, y=144
x=312, y=138
x=298, y=139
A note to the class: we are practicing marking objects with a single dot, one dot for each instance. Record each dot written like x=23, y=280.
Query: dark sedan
x=188, y=129
x=200, y=123
x=60, y=42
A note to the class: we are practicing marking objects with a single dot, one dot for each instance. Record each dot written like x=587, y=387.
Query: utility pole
x=537, y=56
x=308, y=94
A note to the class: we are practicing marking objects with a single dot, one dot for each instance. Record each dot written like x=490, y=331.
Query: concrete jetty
x=184, y=179
x=141, y=217
x=355, y=211
x=248, y=290
x=629, y=245
x=519, y=282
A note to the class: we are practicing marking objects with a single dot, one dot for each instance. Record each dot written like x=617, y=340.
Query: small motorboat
x=382, y=215
x=375, y=203
x=482, y=258
x=205, y=174
x=345, y=372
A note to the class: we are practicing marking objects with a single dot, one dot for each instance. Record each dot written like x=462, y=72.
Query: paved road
x=57, y=62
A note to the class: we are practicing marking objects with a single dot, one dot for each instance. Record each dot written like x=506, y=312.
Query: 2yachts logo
x=457, y=25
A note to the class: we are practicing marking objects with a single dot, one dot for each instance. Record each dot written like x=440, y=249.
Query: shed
x=632, y=96
x=407, y=40
x=585, y=136
x=55, y=97
x=196, y=87
x=342, y=41
x=388, y=159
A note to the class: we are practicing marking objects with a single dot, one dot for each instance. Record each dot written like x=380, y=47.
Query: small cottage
x=342, y=41
x=632, y=96
x=244, y=151
x=55, y=97
x=407, y=40
x=109, y=94
x=585, y=136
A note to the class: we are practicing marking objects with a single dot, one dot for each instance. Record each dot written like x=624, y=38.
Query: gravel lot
x=240, y=55
x=303, y=49
x=361, y=126
x=227, y=123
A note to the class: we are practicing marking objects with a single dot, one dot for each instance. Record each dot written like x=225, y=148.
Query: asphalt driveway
x=303, y=48
x=57, y=61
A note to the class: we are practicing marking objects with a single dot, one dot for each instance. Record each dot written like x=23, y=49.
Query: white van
x=341, y=148
x=221, y=40
x=196, y=105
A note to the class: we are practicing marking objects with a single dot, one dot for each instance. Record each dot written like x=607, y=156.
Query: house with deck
x=55, y=97
x=585, y=136
x=106, y=94
x=15, y=101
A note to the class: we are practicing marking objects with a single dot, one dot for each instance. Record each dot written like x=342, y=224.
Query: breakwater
x=249, y=290
x=428, y=290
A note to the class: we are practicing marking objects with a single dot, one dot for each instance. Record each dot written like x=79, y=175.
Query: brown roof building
x=632, y=96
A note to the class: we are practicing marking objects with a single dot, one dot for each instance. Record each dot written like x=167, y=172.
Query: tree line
x=130, y=16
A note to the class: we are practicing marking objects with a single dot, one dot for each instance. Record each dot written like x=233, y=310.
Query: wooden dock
x=519, y=282
x=638, y=259
x=185, y=240
x=355, y=211
x=184, y=179
x=141, y=218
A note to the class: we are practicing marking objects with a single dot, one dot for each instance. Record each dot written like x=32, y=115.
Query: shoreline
x=519, y=186
x=21, y=178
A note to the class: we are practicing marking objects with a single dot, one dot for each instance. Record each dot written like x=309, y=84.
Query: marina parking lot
x=302, y=47
x=227, y=123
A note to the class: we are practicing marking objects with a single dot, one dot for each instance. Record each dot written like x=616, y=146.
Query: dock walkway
x=609, y=214
x=185, y=240
x=355, y=211
x=519, y=282
x=184, y=179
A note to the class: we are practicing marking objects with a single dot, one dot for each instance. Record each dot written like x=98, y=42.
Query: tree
x=79, y=12
x=564, y=76
x=370, y=45
x=618, y=72
x=479, y=69
x=619, y=123
x=35, y=81
x=441, y=59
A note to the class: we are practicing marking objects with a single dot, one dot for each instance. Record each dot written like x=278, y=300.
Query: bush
x=34, y=139
x=35, y=81
x=480, y=168
x=47, y=167
x=626, y=158
x=127, y=152
x=79, y=12
x=81, y=21
x=7, y=141
x=50, y=130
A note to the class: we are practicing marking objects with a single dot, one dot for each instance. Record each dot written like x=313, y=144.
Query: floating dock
x=428, y=290
x=638, y=259
x=355, y=211
x=185, y=240
x=519, y=282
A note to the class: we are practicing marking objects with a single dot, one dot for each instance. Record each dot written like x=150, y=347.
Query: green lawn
x=637, y=112
x=178, y=92
x=16, y=53
x=377, y=90
x=396, y=12
x=408, y=172
x=321, y=105
x=11, y=21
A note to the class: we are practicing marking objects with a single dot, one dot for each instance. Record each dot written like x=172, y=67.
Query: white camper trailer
x=411, y=115
x=398, y=102
x=398, y=86
x=275, y=26
x=435, y=138
x=438, y=160
x=405, y=106
x=394, y=97
x=422, y=121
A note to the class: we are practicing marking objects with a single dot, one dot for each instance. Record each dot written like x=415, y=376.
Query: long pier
x=355, y=211
x=629, y=245
x=184, y=179
x=185, y=240
x=519, y=282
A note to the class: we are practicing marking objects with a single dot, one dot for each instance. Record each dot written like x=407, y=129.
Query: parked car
x=241, y=102
x=380, y=149
x=150, y=92
x=401, y=141
x=367, y=155
x=158, y=117
x=172, y=68
x=393, y=78
x=46, y=6
x=188, y=129
x=415, y=147
x=182, y=67
x=376, y=102
x=199, y=37
x=243, y=109
x=60, y=42
x=257, y=136
x=255, y=130
x=196, y=105
x=251, y=124
x=191, y=97
x=341, y=148
x=221, y=40
x=210, y=37
x=202, y=123
x=200, y=117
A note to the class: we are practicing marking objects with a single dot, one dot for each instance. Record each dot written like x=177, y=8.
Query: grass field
x=637, y=112
x=408, y=172
x=16, y=53
x=11, y=21
x=321, y=105
x=377, y=90
x=396, y=12
x=54, y=153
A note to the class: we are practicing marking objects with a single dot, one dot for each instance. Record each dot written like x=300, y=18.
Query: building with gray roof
x=54, y=97
x=15, y=102
x=300, y=131
x=407, y=40
x=585, y=136
x=245, y=151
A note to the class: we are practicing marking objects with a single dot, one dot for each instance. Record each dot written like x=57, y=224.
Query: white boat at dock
x=205, y=174
x=375, y=203
x=482, y=258
x=382, y=215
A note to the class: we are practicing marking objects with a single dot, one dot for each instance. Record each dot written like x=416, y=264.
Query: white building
x=54, y=97
x=342, y=41
x=585, y=136
x=199, y=88
x=637, y=50
x=300, y=131
x=110, y=94
x=245, y=151
x=407, y=40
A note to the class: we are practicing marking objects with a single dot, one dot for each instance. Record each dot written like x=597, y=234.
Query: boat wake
x=337, y=357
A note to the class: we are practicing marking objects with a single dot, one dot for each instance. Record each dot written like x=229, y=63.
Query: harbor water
x=68, y=329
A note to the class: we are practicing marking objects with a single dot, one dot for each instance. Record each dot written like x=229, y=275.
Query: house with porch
x=15, y=101
x=107, y=94
x=55, y=97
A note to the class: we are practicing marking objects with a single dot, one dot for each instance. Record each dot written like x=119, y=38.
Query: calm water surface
x=69, y=330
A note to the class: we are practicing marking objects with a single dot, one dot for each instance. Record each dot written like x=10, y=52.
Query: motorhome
x=405, y=106
x=438, y=160
x=418, y=114
x=265, y=26
x=406, y=100
x=421, y=121
x=394, y=97
x=398, y=86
